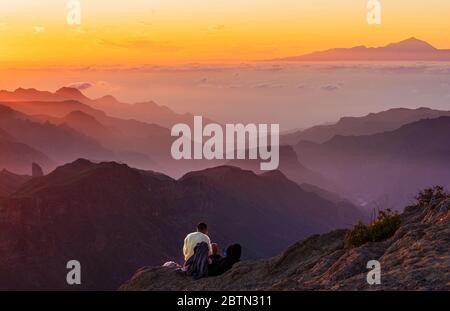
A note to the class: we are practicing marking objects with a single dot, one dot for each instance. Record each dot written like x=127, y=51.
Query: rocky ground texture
x=416, y=257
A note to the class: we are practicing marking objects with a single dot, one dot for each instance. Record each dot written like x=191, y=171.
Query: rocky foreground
x=417, y=257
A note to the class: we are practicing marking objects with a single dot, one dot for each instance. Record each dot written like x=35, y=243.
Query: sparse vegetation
x=388, y=221
x=431, y=196
x=382, y=228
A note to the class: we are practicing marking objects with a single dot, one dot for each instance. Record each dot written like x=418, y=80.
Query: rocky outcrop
x=417, y=257
x=16, y=156
x=36, y=170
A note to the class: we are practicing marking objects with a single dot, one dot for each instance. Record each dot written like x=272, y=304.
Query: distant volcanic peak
x=411, y=49
x=411, y=44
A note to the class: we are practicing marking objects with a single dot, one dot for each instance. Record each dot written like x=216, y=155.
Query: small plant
x=431, y=196
x=382, y=228
x=357, y=236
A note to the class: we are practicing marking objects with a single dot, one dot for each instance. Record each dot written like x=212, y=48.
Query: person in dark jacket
x=197, y=264
x=215, y=253
x=233, y=255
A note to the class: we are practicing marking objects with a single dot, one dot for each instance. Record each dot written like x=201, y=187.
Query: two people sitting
x=202, y=257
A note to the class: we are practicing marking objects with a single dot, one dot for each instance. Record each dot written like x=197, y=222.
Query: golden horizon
x=36, y=33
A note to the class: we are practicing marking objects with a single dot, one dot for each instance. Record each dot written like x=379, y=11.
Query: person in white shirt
x=192, y=239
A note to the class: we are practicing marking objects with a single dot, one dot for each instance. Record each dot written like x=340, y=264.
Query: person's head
x=234, y=252
x=202, y=227
x=215, y=248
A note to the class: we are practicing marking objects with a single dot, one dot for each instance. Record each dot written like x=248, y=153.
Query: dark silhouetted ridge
x=115, y=219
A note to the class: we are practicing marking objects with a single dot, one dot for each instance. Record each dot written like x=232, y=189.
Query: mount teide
x=411, y=49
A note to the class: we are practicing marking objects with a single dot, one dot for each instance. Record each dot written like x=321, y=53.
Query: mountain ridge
x=411, y=49
x=149, y=112
x=384, y=168
x=11, y=182
x=368, y=124
x=113, y=219
x=414, y=258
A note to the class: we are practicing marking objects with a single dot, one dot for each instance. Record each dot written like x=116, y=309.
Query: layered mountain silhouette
x=17, y=156
x=138, y=143
x=115, y=219
x=411, y=49
x=61, y=143
x=370, y=124
x=414, y=258
x=384, y=169
x=293, y=169
x=11, y=182
x=78, y=134
x=148, y=112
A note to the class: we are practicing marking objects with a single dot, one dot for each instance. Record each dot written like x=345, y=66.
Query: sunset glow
x=35, y=33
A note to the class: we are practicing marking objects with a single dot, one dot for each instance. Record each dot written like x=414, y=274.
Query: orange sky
x=35, y=32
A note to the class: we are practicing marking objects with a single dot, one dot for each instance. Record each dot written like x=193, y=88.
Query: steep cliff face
x=417, y=257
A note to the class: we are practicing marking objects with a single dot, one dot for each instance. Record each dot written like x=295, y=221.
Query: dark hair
x=234, y=252
x=202, y=226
